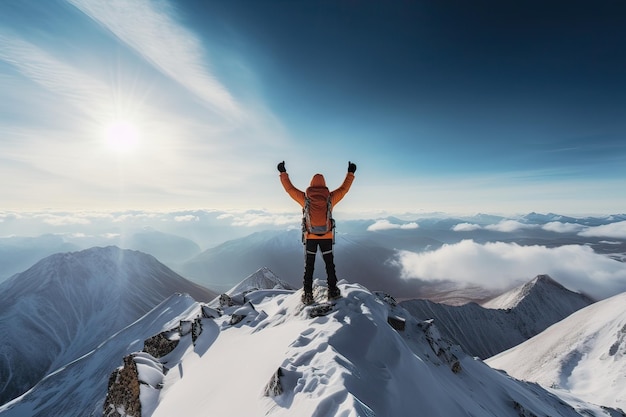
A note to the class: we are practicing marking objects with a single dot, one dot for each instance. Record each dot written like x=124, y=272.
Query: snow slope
x=584, y=354
x=511, y=319
x=70, y=302
x=268, y=357
x=78, y=389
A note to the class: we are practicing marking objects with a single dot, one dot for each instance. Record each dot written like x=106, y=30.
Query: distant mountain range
x=366, y=255
x=358, y=258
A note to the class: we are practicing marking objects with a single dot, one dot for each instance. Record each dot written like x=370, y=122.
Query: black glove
x=281, y=167
x=351, y=167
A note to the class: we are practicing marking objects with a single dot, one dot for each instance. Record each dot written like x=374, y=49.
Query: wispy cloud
x=559, y=227
x=186, y=218
x=149, y=29
x=256, y=218
x=499, y=265
x=68, y=83
x=511, y=226
x=466, y=227
x=384, y=224
x=504, y=226
x=61, y=90
x=63, y=220
x=508, y=226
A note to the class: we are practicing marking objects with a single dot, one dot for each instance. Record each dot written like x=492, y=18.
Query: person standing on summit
x=318, y=225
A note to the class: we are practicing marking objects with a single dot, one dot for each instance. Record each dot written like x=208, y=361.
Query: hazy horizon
x=492, y=252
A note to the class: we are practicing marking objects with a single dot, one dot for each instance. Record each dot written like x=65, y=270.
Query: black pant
x=326, y=247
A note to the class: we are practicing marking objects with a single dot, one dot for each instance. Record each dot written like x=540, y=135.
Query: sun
x=122, y=136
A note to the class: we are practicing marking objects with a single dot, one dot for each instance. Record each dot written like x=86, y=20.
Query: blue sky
x=452, y=106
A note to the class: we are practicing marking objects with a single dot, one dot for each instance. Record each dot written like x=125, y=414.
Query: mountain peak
x=542, y=286
x=104, y=270
x=542, y=282
x=75, y=300
x=262, y=279
x=545, y=279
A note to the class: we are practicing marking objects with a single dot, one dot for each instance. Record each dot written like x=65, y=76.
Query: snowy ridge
x=78, y=389
x=268, y=357
x=522, y=313
x=70, y=303
x=584, y=354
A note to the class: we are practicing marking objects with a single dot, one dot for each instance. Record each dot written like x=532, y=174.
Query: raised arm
x=339, y=193
x=293, y=192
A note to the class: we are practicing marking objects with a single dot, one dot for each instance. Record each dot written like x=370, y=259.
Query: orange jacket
x=317, y=181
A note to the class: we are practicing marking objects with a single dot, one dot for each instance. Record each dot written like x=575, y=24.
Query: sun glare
x=122, y=136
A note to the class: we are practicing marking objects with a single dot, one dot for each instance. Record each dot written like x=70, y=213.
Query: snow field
x=349, y=363
x=582, y=354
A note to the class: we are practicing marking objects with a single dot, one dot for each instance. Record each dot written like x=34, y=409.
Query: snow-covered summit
x=262, y=279
x=542, y=289
x=584, y=354
x=367, y=357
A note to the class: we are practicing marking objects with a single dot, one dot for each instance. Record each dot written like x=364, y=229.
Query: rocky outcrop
x=274, y=387
x=123, y=394
x=159, y=345
x=122, y=398
x=226, y=301
x=441, y=347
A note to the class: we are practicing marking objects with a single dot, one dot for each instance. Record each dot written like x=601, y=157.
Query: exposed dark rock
x=274, y=387
x=196, y=329
x=123, y=391
x=441, y=347
x=226, y=301
x=523, y=412
x=210, y=313
x=165, y=342
x=236, y=318
x=160, y=344
x=122, y=398
x=397, y=323
x=320, y=310
x=386, y=298
x=245, y=311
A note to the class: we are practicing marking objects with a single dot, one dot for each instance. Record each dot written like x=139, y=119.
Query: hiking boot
x=334, y=293
x=307, y=298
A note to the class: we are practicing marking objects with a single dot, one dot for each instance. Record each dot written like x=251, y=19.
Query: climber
x=318, y=225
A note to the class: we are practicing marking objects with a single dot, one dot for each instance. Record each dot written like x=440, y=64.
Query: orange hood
x=318, y=181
